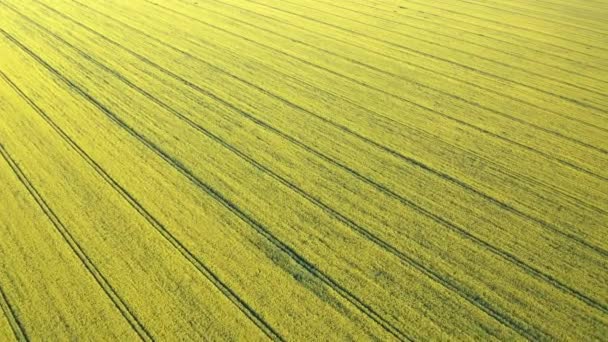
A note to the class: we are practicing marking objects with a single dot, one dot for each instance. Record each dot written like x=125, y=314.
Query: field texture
x=303, y=170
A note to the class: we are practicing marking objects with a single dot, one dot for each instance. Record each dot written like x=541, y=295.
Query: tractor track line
x=514, y=10
x=569, y=5
x=118, y=302
x=503, y=32
x=449, y=284
x=558, y=81
x=162, y=230
x=455, y=38
x=458, y=28
x=258, y=227
x=428, y=55
x=425, y=212
x=408, y=63
x=517, y=27
x=394, y=153
x=10, y=313
x=372, y=112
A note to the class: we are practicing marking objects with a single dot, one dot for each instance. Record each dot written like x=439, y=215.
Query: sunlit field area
x=303, y=170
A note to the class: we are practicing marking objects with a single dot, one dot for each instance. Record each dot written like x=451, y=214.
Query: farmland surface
x=303, y=170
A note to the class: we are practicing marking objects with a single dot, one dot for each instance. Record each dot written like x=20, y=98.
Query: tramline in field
x=303, y=170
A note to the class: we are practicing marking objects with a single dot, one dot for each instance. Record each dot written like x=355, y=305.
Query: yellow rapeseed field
x=303, y=170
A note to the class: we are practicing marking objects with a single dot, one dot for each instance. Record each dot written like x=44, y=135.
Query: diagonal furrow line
x=394, y=153
x=518, y=175
x=596, y=92
x=118, y=302
x=399, y=97
x=516, y=27
x=385, y=190
x=213, y=193
x=371, y=182
x=544, y=154
x=428, y=55
x=417, y=66
x=549, y=20
x=573, y=5
x=456, y=38
x=456, y=28
x=507, y=256
x=199, y=265
x=548, y=17
x=319, y=154
x=519, y=36
x=547, y=13
x=366, y=233
x=9, y=312
x=451, y=285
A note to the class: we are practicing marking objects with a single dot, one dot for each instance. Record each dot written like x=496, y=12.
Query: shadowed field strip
x=304, y=169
